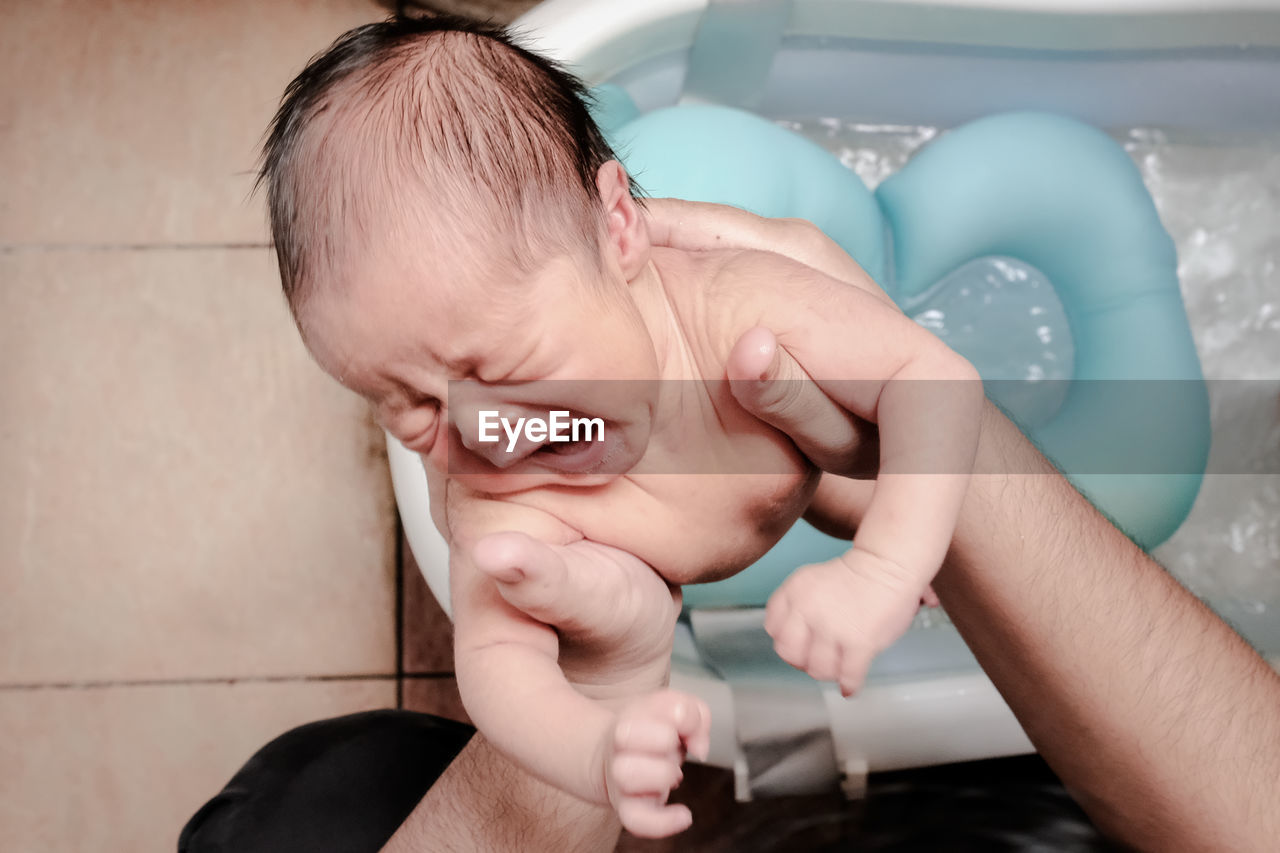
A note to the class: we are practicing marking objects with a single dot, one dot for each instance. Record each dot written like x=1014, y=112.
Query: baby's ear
x=628, y=233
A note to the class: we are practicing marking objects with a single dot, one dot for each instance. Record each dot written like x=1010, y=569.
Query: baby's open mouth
x=575, y=457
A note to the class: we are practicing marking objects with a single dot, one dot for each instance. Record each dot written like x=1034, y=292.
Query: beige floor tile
x=121, y=769
x=138, y=121
x=437, y=696
x=184, y=494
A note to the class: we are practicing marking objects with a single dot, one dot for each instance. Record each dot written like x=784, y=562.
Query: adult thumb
x=769, y=383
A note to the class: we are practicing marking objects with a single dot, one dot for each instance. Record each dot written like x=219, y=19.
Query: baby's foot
x=644, y=753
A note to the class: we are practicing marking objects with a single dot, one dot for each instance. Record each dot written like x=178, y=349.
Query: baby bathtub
x=1177, y=64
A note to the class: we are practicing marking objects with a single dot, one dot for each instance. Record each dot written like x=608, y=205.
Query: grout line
x=20, y=248
x=188, y=682
x=427, y=676
x=399, y=614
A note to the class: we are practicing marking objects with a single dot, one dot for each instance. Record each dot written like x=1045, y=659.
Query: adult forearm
x=484, y=803
x=1160, y=719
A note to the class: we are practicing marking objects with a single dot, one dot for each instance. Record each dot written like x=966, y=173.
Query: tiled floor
x=197, y=537
x=119, y=769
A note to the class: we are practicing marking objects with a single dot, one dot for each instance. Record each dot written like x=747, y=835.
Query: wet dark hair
x=447, y=106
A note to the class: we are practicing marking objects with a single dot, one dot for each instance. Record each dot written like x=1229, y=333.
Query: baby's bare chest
x=713, y=492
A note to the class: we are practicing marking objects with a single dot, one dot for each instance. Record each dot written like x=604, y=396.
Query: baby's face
x=431, y=353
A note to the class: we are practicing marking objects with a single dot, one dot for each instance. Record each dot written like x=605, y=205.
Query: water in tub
x=1219, y=198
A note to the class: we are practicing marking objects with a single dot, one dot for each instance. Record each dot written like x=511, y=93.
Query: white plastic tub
x=1179, y=64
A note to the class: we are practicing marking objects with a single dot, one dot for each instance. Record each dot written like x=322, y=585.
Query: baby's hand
x=643, y=757
x=830, y=619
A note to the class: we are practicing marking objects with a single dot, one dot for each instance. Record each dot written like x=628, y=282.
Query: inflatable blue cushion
x=1051, y=192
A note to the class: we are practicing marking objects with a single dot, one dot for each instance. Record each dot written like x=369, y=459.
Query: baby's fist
x=830, y=619
x=643, y=757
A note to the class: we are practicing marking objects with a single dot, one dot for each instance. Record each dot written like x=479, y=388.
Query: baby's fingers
x=647, y=736
x=770, y=384
x=645, y=817
x=853, y=671
x=693, y=722
x=686, y=719
x=792, y=642
x=641, y=775
x=776, y=611
x=824, y=662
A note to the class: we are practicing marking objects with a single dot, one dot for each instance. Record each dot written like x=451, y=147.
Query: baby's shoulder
x=716, y=296
x=749, y=271
x=735, y=281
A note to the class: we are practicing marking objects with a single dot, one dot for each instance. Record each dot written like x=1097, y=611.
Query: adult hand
x=763, y=376
x=615, y=618
x=1118, y=675
x=614, y=614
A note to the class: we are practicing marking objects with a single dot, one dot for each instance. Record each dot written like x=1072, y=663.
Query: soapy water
x=1219, y=199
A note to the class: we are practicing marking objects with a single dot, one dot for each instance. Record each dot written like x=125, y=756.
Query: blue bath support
x=1051, y=192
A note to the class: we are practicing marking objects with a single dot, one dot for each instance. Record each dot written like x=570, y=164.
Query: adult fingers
x=537, y=579
x=768, y=382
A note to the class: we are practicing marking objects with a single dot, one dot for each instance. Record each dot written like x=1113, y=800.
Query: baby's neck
x=652, y=298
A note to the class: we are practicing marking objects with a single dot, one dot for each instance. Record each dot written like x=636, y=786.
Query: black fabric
x=345, y=785
x=337, y=786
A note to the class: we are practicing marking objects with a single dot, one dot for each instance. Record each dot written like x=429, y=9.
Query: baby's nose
x=492, y=433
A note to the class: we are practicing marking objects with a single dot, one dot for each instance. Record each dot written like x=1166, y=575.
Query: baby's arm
x=832, y=618
x=514, y=690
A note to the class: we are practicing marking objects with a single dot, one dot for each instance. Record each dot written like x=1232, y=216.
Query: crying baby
x=460, y=246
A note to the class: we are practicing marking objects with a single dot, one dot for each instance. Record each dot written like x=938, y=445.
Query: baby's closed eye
x=415, y=426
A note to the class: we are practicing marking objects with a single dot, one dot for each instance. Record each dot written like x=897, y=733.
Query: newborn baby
x=460, y=246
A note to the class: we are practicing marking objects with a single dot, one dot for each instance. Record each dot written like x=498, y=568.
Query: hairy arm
x=1162, y=722
x=485, y=803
